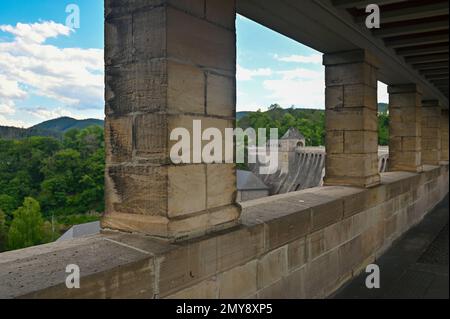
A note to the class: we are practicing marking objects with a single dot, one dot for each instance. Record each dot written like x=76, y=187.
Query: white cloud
x=243, y=74
x=314, y=59
x=36, y=32
x=299, y=73
x=9, y=122
x=28, y=66
x=44, y=113
x=299, y=87
x=7, y=108
x=10, y=89
x=383, y=95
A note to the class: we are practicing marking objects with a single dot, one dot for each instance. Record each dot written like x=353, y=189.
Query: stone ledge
x=120, y=265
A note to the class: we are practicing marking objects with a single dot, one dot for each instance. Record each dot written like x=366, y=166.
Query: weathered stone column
x=431, y=132
x=168, y=63
x=405, y=103
x=351, y=119
x=444, y=135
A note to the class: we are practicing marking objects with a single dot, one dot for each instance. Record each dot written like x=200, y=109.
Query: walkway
x=415, y=267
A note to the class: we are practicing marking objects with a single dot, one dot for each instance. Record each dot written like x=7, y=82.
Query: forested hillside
x=53, y=128
x=47, y=185
x=310, y=122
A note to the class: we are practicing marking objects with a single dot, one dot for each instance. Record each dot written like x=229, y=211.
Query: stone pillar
x=431, y=132
x=444, y=135
x=351, y=119
x=405, y=103
x=168, y=63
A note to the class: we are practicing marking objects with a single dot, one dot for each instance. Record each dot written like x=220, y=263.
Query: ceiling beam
x=410, y=13
x=437, y=71
x=443, y=83
x=418, y=27
x=419, y=40
x=431, y=65
x=427, y=58
x=437, y=77
x=411, y=51
x=346, y=4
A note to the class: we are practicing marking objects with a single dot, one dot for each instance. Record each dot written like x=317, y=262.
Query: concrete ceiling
x=412, y=43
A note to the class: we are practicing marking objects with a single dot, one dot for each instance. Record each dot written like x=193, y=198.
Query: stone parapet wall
x=304, y=244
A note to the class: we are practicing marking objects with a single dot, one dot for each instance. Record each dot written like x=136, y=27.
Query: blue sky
x=48, y=70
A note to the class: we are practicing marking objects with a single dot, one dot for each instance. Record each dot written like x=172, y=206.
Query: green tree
x=26, y=227
x=3, y=231
x=383, y=129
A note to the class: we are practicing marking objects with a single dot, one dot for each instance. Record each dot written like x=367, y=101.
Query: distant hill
x=52, y=128
x=382, y=108
x=63, y=124
x=240, y=115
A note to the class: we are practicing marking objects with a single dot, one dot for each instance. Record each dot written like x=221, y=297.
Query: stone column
x=405, y=102
x=431, y=132
x=351, y=119
x=168, y=63
x=444, y=135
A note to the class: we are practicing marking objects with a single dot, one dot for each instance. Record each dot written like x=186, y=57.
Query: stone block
x=352, y=165
x=351, y=119
x=239, y=246
x=351, y=56
x=334, y=97
x=206, y=289
x=285, y=229
x=350, y=255
x=149, y=29
x=195, y=7
x=406, y=100
x=189, y=264
x=326, y=214
x=186, y=89
x=321, y=275
x=118, y=139
x=137, y=87
x=118, y=40
x=295, y=284
x=220, y=95
x=360, y=142
x=150, y=137
x=315, y=244
x=335, y=142
x=272, y=267
x=222, y=12
x=186, y=189
x=338, y=233
x=238, y=282
x=199, y=42
x=136, y=189
x=404, y=129
x=351, y=74
x=276, y=290
x=360, y=95
x=221, y=181
x=297, y=253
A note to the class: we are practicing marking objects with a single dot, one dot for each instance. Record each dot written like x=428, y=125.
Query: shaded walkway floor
x=415, y=267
